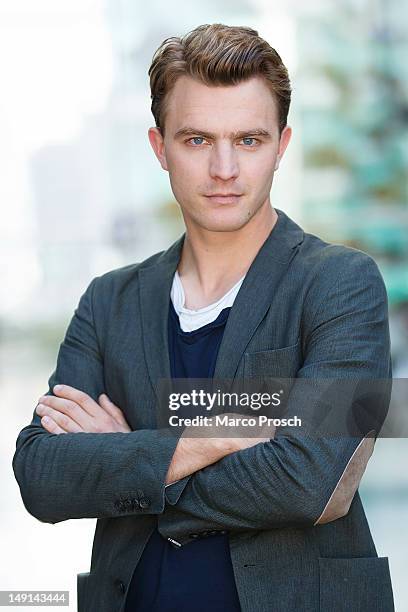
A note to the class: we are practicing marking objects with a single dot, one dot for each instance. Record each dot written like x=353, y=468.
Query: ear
x=283, y=143
x=157, y=142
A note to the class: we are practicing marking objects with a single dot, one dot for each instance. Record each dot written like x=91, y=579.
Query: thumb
x=111, y=408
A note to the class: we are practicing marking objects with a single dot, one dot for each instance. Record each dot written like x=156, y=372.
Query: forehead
x=220, y=108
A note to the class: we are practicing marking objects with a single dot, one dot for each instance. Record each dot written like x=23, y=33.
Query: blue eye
x=250, y=139
x=198, y=140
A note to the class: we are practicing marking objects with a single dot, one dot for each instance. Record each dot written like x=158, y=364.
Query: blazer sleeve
x=89, y=475
x=296, y=479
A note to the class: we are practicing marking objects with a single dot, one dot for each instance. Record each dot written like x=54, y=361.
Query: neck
x=215, y=261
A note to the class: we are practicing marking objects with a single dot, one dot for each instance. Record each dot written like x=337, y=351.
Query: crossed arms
x=285, y=481
x=72, y=410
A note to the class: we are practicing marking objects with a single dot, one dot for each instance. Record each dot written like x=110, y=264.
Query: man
x=223, y=523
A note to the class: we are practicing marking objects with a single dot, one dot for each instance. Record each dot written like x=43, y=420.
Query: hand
x=197, y=447
x=232, y=438
x=73, y=411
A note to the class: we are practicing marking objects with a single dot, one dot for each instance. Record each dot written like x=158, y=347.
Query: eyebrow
x=191, y=131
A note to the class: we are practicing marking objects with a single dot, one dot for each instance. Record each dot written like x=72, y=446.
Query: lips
x=222, y=195
x=224, y=198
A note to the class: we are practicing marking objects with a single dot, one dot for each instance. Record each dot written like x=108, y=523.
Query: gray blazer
x=298, y=534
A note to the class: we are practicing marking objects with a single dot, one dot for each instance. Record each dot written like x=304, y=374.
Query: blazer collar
x=250, y=306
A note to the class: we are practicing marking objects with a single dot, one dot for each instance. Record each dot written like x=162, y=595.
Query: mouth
x=224, y=198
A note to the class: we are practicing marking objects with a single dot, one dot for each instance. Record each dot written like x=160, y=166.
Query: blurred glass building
x=352, y=85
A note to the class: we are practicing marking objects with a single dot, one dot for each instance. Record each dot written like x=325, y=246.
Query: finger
x=79, y=397
x=68, y=407
x=111, y=408
x=59, y=403
x=60, y=419
x=51, y=426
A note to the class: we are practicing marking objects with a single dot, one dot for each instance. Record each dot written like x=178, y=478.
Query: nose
x=224, y=162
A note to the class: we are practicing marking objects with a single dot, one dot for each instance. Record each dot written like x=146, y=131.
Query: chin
x=224, y=223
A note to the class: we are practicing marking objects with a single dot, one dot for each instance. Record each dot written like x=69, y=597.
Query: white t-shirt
x=193, y=319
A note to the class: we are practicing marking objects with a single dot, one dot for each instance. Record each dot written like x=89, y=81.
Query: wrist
x=194, y=452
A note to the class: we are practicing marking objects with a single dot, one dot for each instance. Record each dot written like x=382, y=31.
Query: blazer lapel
x=256, y=292
x=154, y=292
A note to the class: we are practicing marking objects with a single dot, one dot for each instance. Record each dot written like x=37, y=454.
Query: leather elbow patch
x=342, y=496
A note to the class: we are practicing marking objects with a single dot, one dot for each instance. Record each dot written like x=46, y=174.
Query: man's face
x=221, y=148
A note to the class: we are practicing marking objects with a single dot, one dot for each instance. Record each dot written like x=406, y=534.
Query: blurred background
x=81, y=193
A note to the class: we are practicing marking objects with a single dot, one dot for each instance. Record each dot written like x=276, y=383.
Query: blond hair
x=217, y=54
